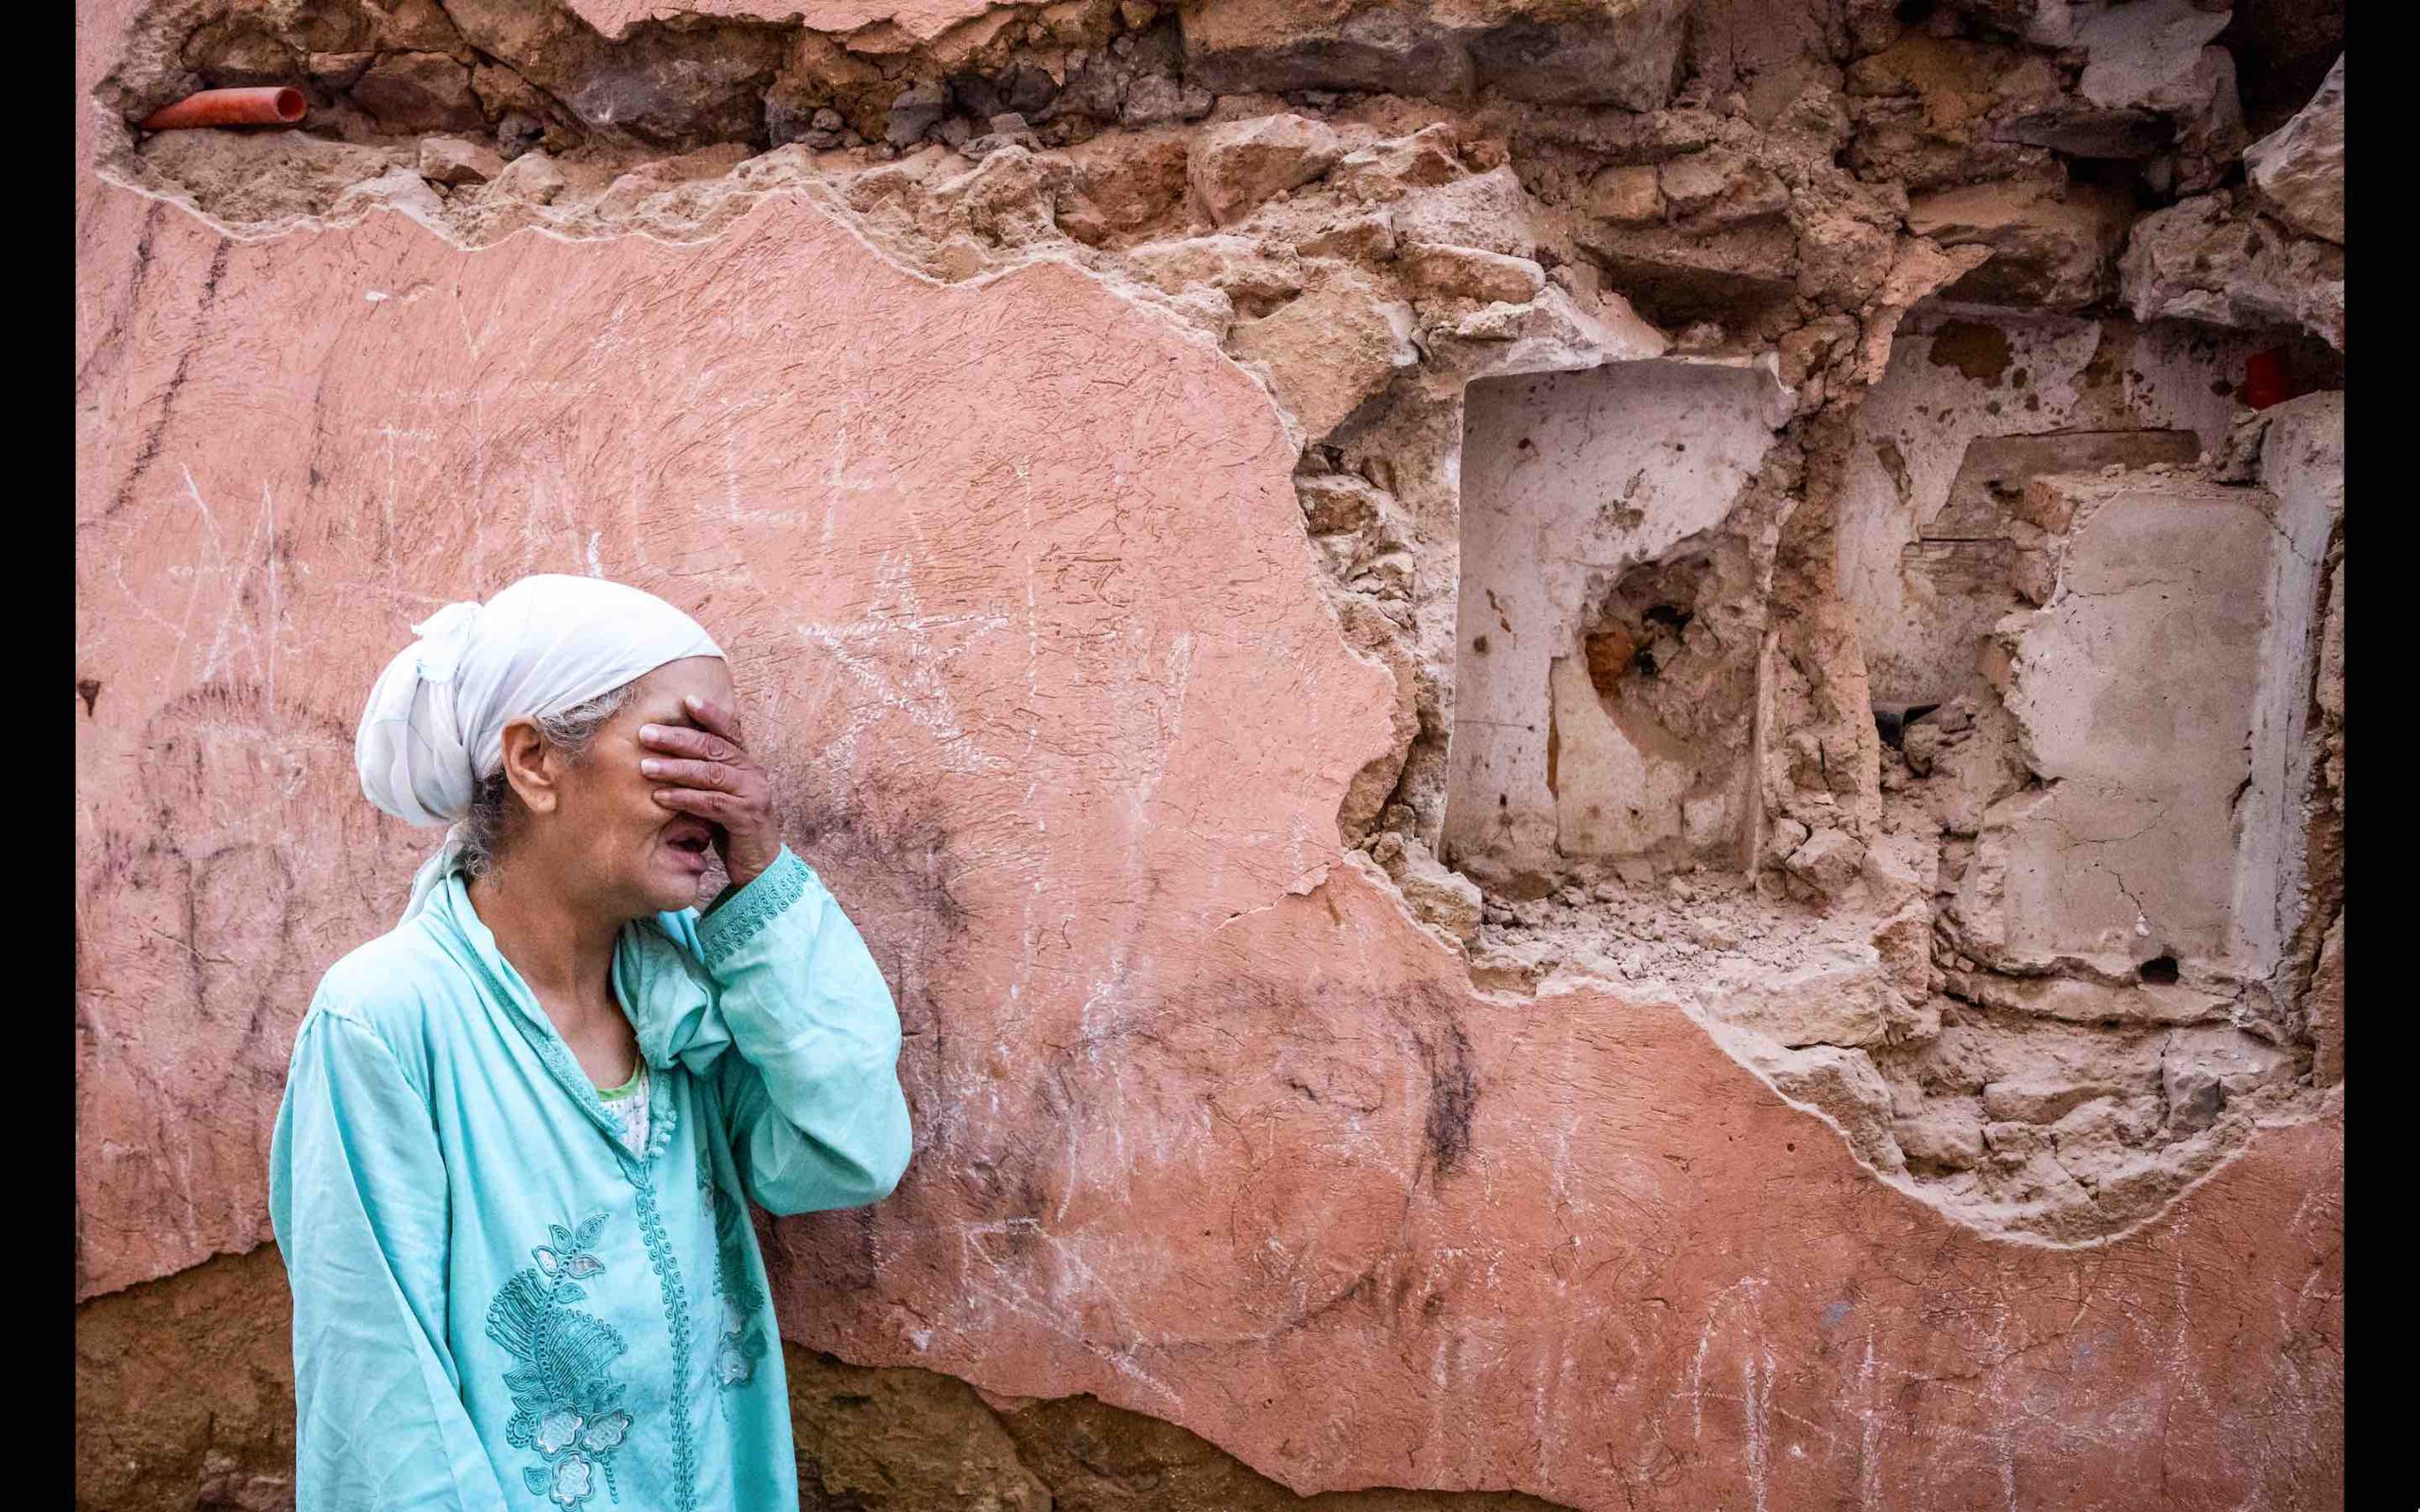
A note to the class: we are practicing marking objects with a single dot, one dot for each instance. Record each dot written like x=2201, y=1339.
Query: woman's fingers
x=723, y=808
x=722, y=721
x=715, y=775
x=682, y=741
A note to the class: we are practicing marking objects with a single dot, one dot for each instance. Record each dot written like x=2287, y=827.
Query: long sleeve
x=357, y=1199
x=811, y=1099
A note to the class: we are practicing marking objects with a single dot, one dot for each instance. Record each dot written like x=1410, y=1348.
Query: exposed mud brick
x=532, y=177
x=1610, y=52
x=2053, y=246
x=1946, y=1138
x=1132, y=185
x=1361, y=238
x=1845, y=1000
x=1466, y=272
x=1719, y=186
x=1844, y=1086
x=184, y=1391
x=1831, y=862
x=419, y=92
x=1386, y=169
x=1927, y=110
x=1488, y=211
x=1329, y=350
x=1257, y=277
x=1629, y=195
x=1233, y=168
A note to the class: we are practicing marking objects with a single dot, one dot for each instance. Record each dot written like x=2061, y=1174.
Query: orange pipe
x=277, y=105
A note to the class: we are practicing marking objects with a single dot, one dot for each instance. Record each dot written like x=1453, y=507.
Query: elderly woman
x=521, y=1129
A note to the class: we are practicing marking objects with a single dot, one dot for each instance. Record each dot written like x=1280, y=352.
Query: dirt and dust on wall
x=1849, y=491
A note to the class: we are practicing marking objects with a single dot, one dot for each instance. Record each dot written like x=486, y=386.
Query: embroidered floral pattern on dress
x=566, y=1404
x=675, y=1314
x=743, y=1342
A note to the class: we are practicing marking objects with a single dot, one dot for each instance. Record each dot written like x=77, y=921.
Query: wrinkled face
x=629, y=852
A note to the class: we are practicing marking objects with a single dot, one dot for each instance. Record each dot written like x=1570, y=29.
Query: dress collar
x=652, y=977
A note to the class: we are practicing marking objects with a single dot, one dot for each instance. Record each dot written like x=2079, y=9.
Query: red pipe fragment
x=276, y=105
x=2264, y=378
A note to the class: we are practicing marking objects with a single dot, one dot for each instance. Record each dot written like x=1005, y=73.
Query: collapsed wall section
x=1671, y=452
x=1599, y=585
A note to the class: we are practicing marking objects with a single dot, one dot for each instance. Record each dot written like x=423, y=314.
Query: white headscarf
x=434, y=727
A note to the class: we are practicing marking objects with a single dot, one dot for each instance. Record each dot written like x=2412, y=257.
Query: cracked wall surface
x=1598, y=750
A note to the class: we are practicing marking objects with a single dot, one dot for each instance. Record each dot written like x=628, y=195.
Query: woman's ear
x=529, y=766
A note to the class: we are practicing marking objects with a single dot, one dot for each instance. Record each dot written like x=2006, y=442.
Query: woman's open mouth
x=691, y=837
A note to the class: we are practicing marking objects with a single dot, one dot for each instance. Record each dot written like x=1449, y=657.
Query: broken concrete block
x=1236, y=166
x=1719, y=186
x=1829, y=862
x=1842, y=998
x=1438, y=895
x=1468, y=273
x=2297, y=171
x=1257, y=275
x=2052, y=245
x=1489, y=210
x=1845, y=1085
x=453, y=159
x=532, y=177
x=1386, y=170
x=2204, y=259
x=1329, y=350
x=1946, y=1135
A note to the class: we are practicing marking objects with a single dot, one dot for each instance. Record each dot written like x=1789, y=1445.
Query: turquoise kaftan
x=496, y=1304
